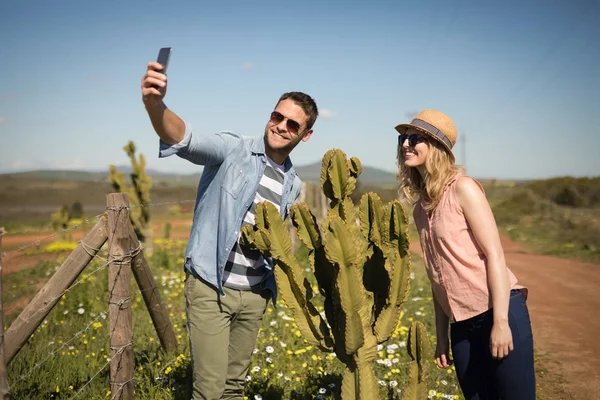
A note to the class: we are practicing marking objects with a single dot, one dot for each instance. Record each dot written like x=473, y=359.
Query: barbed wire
x=120, y=388
x=102, y=368
x=162, y=203
x=56, y=298
x=54, y=352
x=119, y=349
x=110, y=259
x=38, y=241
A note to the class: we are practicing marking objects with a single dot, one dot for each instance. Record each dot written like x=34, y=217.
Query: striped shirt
x=245, y=268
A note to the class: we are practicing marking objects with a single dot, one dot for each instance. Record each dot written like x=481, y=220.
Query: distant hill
x=66, y=175
x=370, y=176
x=158, y=178
x=311, y=172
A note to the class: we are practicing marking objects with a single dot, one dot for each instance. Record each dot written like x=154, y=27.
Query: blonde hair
x=440, y=169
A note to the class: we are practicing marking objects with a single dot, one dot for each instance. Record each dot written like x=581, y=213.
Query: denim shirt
x=233, y=167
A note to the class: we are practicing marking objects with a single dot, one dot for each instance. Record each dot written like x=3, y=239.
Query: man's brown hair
x=306, y=102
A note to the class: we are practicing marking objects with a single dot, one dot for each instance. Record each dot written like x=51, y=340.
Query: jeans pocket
x=519, y=320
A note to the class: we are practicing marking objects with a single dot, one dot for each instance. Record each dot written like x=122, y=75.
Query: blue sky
x=519, y=78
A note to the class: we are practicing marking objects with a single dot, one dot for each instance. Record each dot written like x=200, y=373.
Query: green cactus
x=138, y=193
x=60, y=219
x=419, y=351
x=362, y=271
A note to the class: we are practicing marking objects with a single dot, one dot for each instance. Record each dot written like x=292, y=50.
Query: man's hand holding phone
x=169, y=127
x=154, y=82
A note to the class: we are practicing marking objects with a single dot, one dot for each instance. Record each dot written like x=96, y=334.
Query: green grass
x=544, y=226
x=67, y=355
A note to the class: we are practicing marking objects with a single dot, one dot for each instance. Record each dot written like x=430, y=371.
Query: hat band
x=433, y=130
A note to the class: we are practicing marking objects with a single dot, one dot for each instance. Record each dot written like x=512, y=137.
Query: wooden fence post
x=151, y=294
x=34, y=313
x=3, y=372
x=119, y=297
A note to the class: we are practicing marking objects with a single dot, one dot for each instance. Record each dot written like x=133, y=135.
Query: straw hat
x=436, y=125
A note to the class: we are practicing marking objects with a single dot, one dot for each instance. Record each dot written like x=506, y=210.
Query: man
x=227, y=285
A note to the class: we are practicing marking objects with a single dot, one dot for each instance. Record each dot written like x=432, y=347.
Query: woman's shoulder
x=465, y=183
x=467, y=188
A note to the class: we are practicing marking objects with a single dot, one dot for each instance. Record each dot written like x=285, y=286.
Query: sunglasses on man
x=413, y=139
x=292, y=126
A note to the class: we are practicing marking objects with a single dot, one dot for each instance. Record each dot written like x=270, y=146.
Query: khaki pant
x=223, y=331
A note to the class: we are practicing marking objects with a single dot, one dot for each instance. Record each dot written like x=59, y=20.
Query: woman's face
x=415, y=148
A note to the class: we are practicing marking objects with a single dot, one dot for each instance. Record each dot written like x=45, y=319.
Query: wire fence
x=101, y=262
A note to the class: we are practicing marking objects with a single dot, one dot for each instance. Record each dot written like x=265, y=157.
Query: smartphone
x=163, y=58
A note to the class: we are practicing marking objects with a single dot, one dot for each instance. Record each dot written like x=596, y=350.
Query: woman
x=473, y=290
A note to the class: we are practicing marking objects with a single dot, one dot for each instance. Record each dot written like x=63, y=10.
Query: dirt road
x=564, y=299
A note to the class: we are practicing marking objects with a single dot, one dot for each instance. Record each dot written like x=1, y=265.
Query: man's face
x=285, y=129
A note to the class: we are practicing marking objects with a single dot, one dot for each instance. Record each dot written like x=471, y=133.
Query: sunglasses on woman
x=292, y=126
x=413, y=139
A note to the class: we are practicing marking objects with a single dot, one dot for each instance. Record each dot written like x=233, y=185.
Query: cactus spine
x=362, y=271
x=138, y=193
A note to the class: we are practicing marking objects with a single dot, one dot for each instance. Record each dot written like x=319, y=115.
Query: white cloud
x=326, y=113
x=249, y=65
x=62, y=164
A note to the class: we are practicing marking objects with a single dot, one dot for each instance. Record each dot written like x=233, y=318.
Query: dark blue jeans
x=480, y=376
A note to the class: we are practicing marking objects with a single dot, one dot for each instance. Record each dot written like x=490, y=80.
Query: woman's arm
x=442, y=349
x=481, y=220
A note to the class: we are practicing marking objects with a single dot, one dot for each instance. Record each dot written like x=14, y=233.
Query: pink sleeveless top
x=455, y=263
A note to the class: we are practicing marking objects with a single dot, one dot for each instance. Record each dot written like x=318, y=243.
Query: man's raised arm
x=168, y=126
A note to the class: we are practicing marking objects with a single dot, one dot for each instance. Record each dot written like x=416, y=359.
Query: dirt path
x=564, y=299
x=15, y=250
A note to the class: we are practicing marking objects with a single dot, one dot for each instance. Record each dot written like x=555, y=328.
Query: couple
x=228, y=286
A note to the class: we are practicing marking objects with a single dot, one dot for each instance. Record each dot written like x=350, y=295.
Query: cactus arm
x=398, y=228
x=419, y=347
x=142, y=185
x=308, y=232
x=359, y=381
x=258, y=239
x=355, y=169
x=306, y=223
x=414, y=390
x=138, y=192
x=325, y=182
x=349, y=389
x=310, y=323
x=419, y=350
x=347, y=210
x=342, y=250
x=335, y=175
x=117, y=179
x=371, y=215
x=389, y=317
x=360, y=384
x=376, y=274
x=295, y=290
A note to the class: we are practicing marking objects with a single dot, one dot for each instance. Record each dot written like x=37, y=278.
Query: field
x=67, y=355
